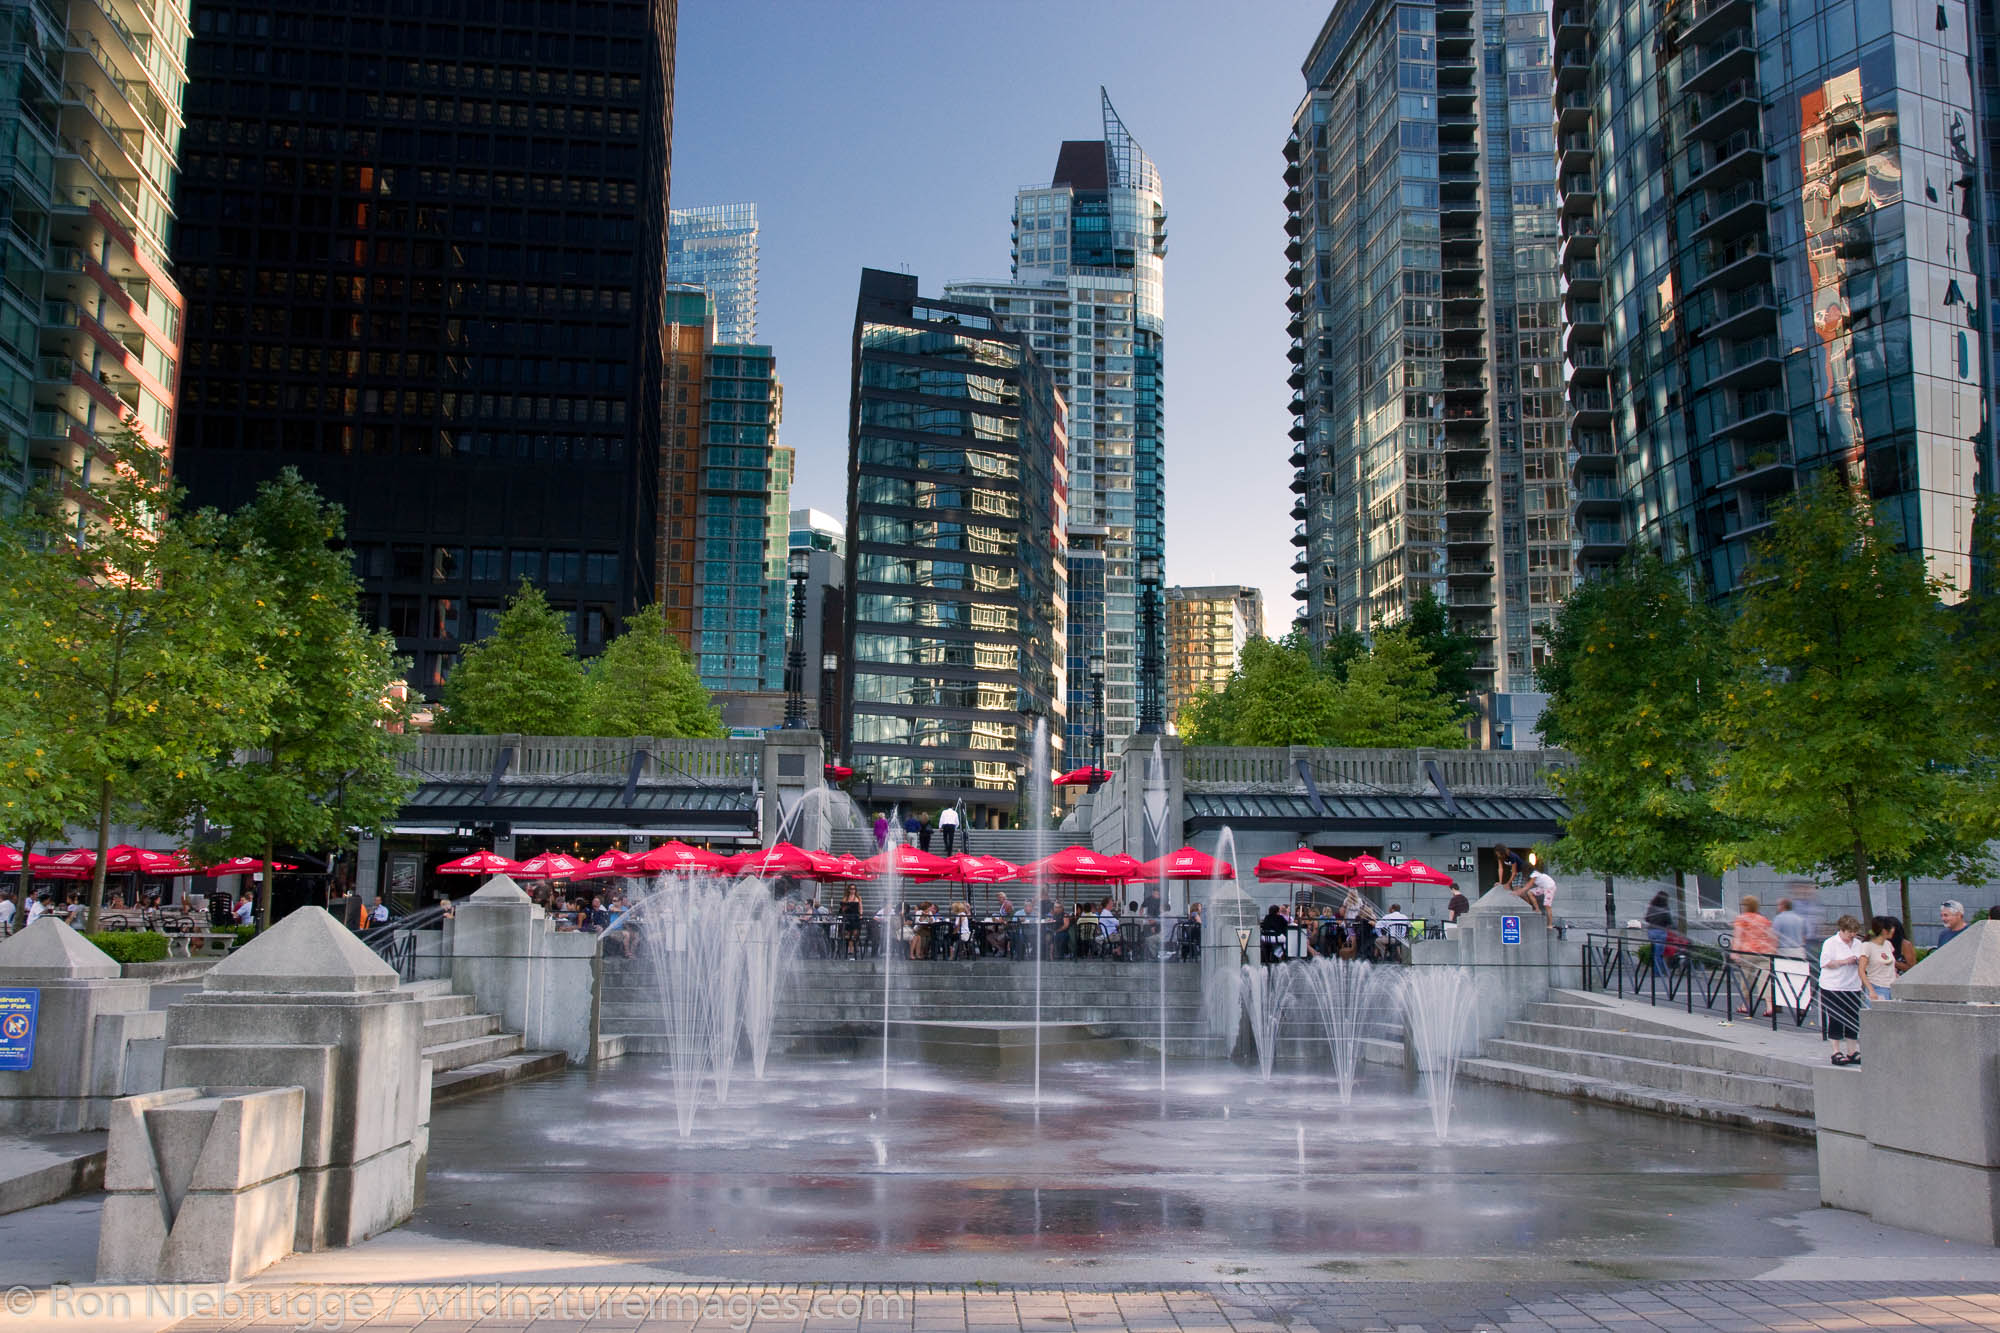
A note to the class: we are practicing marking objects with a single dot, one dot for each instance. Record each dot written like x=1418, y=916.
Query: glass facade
x=715, y=248
x=744, y=514
x=1089, y=262
x=424, y=252
x=1791, y=255
x=956, y=571
x=1206, y=631
x=90, y=144
x=1428, y=409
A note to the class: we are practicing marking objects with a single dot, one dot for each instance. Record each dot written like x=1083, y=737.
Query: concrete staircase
x=1016, y=845
x=467, y=1050
x=1577, y=1045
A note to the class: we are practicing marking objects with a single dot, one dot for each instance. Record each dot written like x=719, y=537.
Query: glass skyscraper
x=715, y=248
x=1785, y=216
x=424, y=250
x=1425, y=321
x=90, y=143
x=745, y=512
x=1089, y=257
x=955, y=553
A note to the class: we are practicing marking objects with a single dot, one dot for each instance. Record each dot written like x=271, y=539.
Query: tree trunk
x=1904, y=883
x=1861, y=880
x=1681, y=899
x=270, y=873
x=103, y=846
x=27, y=877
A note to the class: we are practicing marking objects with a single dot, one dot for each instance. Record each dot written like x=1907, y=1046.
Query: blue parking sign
x=1510, y=930
x=17, y=1027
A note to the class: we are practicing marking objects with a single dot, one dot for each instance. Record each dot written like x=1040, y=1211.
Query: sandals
x=1840, y=1059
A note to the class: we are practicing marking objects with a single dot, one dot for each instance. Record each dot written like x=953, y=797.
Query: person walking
x=881, y=831
x=1952, y=913
x=1752, y=942
x=1878, y=960
x=1659, y=920
x=924, y=832
x=1790, y=928
x=6, y=912
x=1840, y=984
x=947, y=824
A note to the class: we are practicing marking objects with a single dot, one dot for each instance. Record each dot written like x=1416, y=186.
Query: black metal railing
x=1712, y=977
x=396, y=942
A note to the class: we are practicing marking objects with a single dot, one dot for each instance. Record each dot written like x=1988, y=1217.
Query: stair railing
x=396, y=942
x=1711, y=976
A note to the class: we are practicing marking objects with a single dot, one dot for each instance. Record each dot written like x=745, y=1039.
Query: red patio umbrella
x=1083, y=777
x=1373, y=873
x=480, y=863
x=1187, y=863
x=550, y=865
x=1080, y=863
x=1303, y=866
x=676, y=855
x=838, y=773
x=773, y=862
x=1416, y=872
x=909, y=862
x=609, y=864
x=247, y=865
x=10, y=861
x=853, y=867
x=74, y=864
x=969, y=869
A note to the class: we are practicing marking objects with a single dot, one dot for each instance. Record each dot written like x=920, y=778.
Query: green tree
x=131, y=632
x=44, y=785
x=1391, y=699
x=1638, y=662
x=523, y=679
x=1974, y=650
x=644, y=685
x=324, y=758
x=1840, y=720
x=1278, y=695
x=1452, y=654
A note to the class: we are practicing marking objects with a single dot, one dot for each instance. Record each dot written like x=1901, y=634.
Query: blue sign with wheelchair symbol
x=1510, y=930
x=17, y=1027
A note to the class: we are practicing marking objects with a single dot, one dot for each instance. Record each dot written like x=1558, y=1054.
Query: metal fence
x=1710, y=977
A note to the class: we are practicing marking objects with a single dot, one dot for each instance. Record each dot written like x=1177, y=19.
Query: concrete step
x=459, y=1027
x=483, y=1075
x=1683, y=1048
x=1637, y=1097
x=472, y=1050
x=446, y=1006
x=1751, y=1090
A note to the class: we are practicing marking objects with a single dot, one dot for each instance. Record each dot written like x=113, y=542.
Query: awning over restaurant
x=1529, y=816
x=699, y=809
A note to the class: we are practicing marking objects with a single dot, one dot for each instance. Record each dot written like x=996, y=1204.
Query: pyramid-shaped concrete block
x=308, y=952
x=50, y=951
x=1498, y=902
x=500, y=889
x=1965, y=971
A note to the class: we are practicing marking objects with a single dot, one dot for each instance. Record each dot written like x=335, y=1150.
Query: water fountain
x=1267, y=993
x=1440, y=1009
x=1348, y=995
x=1038, y=804
x=891, y=881
x=1156, y=783
x=1221, y=974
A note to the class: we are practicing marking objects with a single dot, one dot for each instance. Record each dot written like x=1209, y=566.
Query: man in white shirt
x=1107, y=930
x=380, y=915
x=1395, y=922
x=36, y=907
x=1542, y=891
x=6, y=913
x=246, y=911
x=947, y=824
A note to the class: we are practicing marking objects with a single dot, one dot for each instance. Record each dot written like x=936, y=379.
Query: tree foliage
x=524, y=678
x=1840, y=719
x=1638, y=661
x=644, y=685
x=323, y=760
x=1451, y=653
x=131, y=639
x=1284, y=693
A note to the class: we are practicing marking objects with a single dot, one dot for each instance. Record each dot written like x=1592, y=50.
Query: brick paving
x=1363, y=1307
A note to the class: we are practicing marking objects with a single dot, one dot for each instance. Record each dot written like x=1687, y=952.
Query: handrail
x=396, y=942
x=1716, y=976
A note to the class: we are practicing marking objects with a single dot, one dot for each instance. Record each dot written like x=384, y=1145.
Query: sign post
x=1510, y=930
x=18, y=1005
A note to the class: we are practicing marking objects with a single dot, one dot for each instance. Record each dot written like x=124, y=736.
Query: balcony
x=1714, y=164
x=1298, y=458
x=1461, y=352
x=1579, y=192
x=1731, y=264
x=1297, y=485
x=1705, y=18
x=1721, y=314
x=1761, y=467
x=1581, y=278
x=1731, y=363
x=1587, y=362
x=1577, y=150
x=1751, y=412
x=1720, y=109
x=1299, y=508
x=1469, y=597
x=1711, y=64
x=1598, y=538
x=1596, y=495
x=1478, y=535
x=1462, y=571
x=1572, y=23
x=1589, y=407
x=1299, y=535
x=1462, y=294
x=1593, y=444
x=1302, y=591
x=1572, y=111
x=1294, y=251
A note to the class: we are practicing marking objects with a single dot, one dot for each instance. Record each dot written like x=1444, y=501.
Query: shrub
x=131, y=946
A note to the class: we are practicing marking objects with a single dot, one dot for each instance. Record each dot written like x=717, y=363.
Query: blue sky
x=893, y=135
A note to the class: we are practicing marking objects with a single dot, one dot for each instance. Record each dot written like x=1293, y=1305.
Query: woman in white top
x=1878, y=961
x=1840, y=982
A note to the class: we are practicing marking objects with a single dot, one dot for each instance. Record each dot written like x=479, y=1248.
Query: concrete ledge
x=169, y=969
x=1944, y=1198
x=35, y=1171
x=489, y=1074
x=1637, y=1098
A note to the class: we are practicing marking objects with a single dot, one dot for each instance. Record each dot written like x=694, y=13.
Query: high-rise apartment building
x=1206, y=631
x=90, y=320
x=1089, y=258
x=1785, y=230
x=1428, y=409
x=745, y=504
x=688, y=316
x=955, y=552
x=715, y=248
x=424, y=255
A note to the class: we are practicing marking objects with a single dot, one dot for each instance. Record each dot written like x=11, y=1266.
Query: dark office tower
x=423, y=246
x=955, y=552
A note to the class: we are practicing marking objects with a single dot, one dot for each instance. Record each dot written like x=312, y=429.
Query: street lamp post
x=1149, y=665
x=798, y=563
x=1097, y=708
x=829, y=667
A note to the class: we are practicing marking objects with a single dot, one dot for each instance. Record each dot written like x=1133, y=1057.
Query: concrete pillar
x=307, y=1005
x=1912, y=1137
x=544, y=983
x=1152, y=794
x=94, y=1037
x=794, y=766
x=1513, y=965
x=368, y=868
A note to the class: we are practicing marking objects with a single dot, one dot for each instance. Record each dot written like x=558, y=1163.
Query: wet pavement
x=817, y=1174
